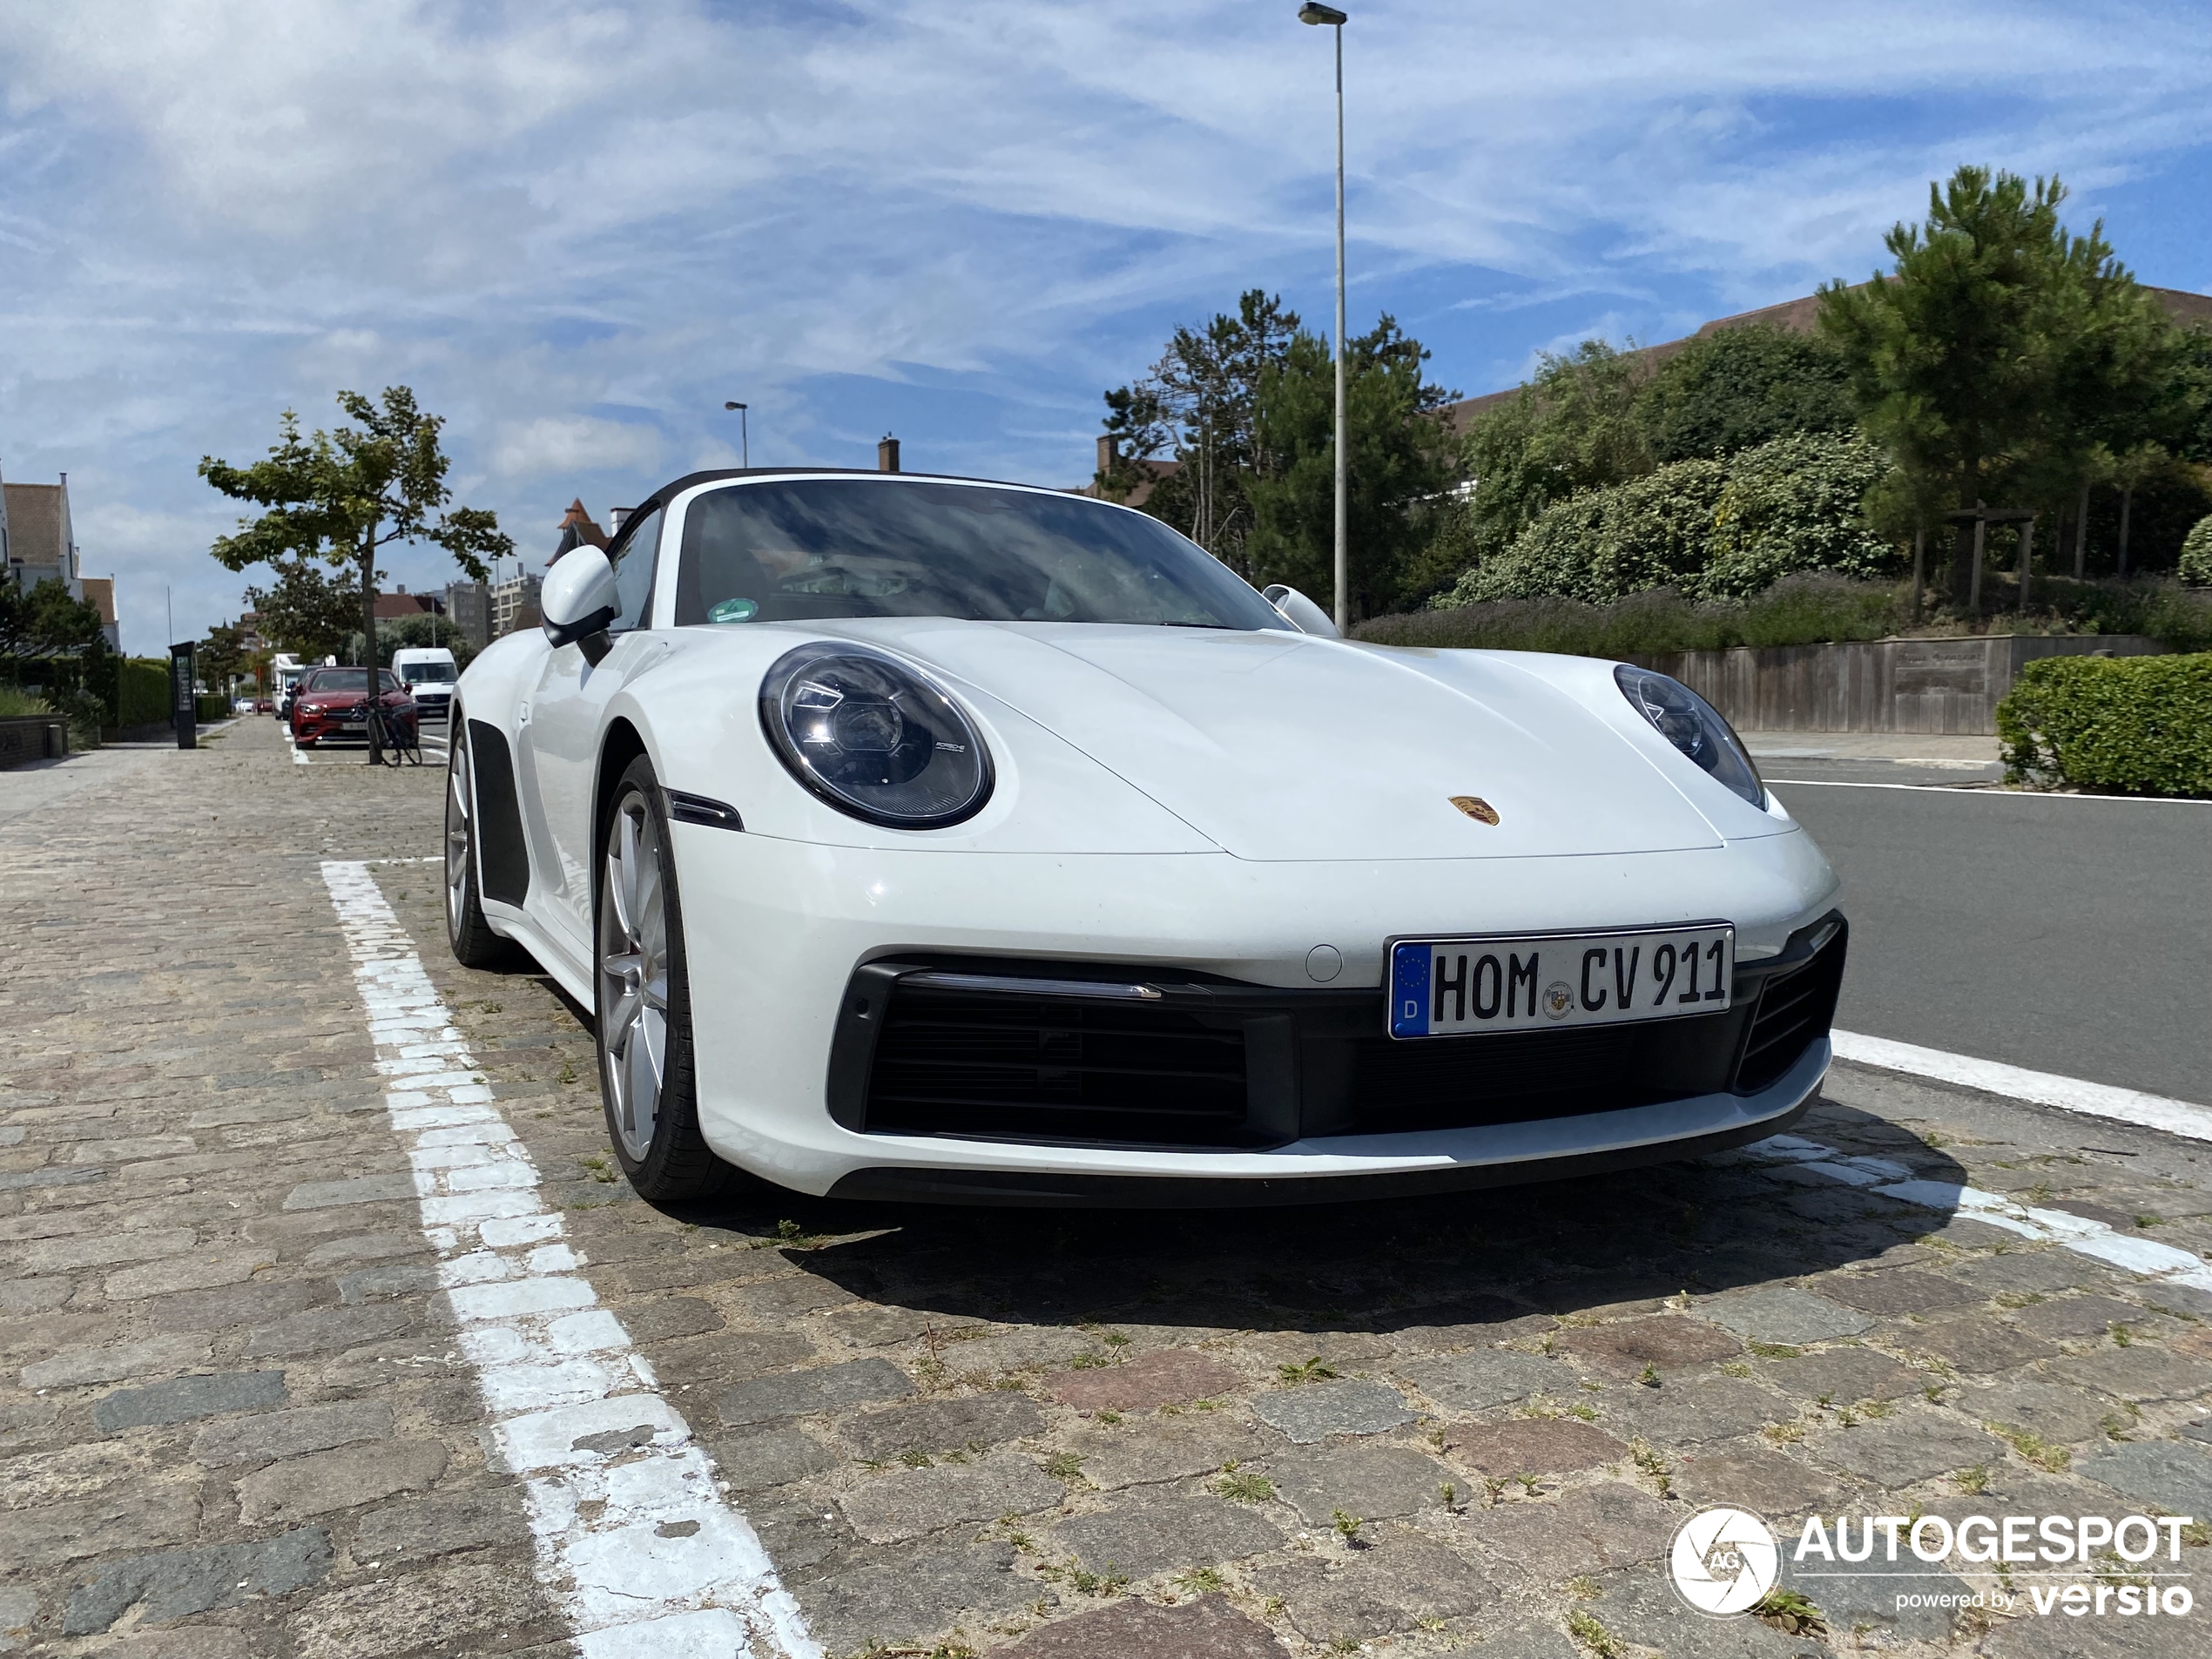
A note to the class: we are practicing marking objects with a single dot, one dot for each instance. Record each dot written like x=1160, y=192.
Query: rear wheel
x=646, y=1073
x=473, y=943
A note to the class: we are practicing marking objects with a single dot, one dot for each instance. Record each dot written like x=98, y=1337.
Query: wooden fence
x=1930, y=686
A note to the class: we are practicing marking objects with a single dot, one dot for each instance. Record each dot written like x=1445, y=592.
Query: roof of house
x=576, y=531
x=391, y=606
x=1796, y=317
x=35, y=516
x=99, y=592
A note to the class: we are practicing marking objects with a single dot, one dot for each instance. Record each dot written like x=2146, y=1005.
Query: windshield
x=416, y=673
x=327, y=680
x=798, y=549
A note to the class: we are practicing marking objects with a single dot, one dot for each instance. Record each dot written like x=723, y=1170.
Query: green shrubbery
x=2129, y=726
x=2195, y=569
x=1712, y=529
x=1798, y=611
x=142, y=691
x=1808, y=609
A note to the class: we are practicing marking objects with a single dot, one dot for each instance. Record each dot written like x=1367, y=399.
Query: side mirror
x=1299, y=611
x=578, y=599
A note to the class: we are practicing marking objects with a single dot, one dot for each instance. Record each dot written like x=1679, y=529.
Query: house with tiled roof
x=36, y=537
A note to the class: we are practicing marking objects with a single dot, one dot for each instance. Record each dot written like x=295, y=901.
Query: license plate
x=1449, y=987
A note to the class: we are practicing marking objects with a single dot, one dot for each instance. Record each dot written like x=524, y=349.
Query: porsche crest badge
x=1477, y=808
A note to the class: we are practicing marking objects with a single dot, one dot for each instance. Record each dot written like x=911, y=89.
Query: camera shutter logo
x=1723, y=1561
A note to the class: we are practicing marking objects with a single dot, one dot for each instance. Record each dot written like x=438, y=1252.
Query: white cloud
x=564, y=445
x=965, y=219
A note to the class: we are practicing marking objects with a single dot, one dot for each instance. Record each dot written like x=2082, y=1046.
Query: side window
x=632, y=558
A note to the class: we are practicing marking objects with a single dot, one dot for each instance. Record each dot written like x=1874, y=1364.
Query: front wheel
x=473, y=943
x=647, y=1080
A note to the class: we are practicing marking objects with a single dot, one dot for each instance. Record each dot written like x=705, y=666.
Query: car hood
x=1284, y=746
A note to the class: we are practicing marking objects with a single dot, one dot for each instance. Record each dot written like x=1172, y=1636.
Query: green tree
x=1737, y=387
x=1400, y=466
x=46, y=624
x=340, y=495
x=220, y=655
x=2001, y=354
x=1575, y=427
x=309, y=611
x=415, y=632
x=1199, y=404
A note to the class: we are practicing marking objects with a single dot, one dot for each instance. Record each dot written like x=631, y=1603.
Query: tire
x=475, y=945
x=642, y=1004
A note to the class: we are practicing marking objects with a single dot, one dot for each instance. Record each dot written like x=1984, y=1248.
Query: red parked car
x=332, y=702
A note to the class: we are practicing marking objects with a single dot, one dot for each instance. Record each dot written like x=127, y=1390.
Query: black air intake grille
x=1518, y=1078
x=949, y=1062
x=1795, y=1009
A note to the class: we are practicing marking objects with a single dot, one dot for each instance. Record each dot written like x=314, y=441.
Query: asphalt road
x=2063, y=934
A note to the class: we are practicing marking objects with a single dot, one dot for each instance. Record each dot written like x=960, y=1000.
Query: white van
x=428, y=673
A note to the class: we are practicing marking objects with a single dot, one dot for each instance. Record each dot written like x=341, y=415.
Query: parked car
x=428, y=673
x=264, y=705
x=334, y=703
x=919, y=838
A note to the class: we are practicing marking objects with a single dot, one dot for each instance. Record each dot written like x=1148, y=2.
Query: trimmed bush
x=142, y=691
x=1713, y=529
x=2195, y=569
x=2119, y=726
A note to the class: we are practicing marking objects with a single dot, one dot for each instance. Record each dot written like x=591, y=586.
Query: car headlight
x=874, y=737
x=1693, y=727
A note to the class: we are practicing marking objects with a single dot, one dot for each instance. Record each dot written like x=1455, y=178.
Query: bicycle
x=385, y=734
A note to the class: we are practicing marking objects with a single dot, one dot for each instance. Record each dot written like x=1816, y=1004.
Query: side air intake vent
x=1796, y=1007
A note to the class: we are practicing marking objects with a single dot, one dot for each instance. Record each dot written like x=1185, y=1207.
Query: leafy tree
x=2003, y=354
x=413, y=633
x=1737, y=387
x=309, y=611
x=1400, y=466
x=46, y=623
x=340, y=495
x=1199, y=403
x=1575, y=426
x=220, y=655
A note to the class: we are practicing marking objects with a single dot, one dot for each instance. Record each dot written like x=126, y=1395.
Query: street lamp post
x=1315, y=14
x=744, y=438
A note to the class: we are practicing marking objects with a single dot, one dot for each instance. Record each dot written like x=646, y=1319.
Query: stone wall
x=32, y=736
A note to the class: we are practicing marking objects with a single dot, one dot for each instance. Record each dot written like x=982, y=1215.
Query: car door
x=562, y=736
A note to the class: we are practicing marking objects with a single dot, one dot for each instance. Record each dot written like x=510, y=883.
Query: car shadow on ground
x=1372, y=1267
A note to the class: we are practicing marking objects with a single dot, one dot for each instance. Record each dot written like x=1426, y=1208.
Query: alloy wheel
x=633, y=975
x=456, y=844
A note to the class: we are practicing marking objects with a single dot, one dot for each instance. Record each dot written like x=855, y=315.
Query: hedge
x=2120, y=725
x=142, y=692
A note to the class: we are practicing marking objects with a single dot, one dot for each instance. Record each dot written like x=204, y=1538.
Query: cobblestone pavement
x=238, y=1414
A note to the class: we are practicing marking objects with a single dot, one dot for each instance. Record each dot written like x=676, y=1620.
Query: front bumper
x=775, y=930
x=319, y=727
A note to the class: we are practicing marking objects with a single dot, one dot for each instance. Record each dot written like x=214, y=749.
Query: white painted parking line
x=2162, y=1264
x=635, y=1540
x=1987, y=791
x=2042, y=1088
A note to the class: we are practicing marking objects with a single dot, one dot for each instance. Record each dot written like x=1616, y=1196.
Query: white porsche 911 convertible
x=923, y=837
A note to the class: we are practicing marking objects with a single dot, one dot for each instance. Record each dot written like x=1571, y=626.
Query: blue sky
x=577, y=229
